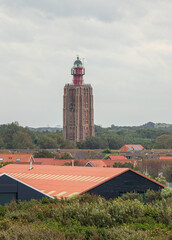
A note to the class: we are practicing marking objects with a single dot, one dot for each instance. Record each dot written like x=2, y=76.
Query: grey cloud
x=127, y=49
x=110, y=10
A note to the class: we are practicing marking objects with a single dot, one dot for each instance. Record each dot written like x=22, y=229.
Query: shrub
x=3, y=210
x=152, y=196
x=132, y=196
x=123, y=211
x=123, y=165
x=107, y=150
x=168, y=173
x=161, y=179
x=166, y=192
x=5, y=224
x=43, y=154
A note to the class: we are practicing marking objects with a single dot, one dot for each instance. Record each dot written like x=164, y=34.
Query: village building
x=20, y=182
x=16, y=158
x=78, y=113
x=131, y=147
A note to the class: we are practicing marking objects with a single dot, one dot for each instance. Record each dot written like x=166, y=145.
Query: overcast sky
x=126, y=44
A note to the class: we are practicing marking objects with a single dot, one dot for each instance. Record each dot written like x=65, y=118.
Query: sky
x=127, y=51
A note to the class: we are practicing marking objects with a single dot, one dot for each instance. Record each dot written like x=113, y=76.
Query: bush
x=162, y=180
x=132, y=196
x=88, y=217
x=3, y=210
x=107, y=150
x=152, y=196
x=123, y=165
x=43, y=154
x=168, y=173
x=166, y=192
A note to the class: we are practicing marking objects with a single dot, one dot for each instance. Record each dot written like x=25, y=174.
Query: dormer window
x=18, y=159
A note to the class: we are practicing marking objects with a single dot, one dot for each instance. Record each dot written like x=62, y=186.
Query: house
x=16, y=158
x=19, y=182
x=117, y=157
x=52, y=161
x=96, y=163
x=165, y=157
x=109, y=163
x=131, y=147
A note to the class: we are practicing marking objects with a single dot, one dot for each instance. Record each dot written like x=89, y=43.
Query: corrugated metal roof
x=61, y=181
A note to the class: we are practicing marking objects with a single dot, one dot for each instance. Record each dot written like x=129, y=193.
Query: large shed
x=18, y=182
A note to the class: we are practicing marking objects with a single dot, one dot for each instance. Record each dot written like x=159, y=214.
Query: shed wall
x=13, y=189
x=126, y=182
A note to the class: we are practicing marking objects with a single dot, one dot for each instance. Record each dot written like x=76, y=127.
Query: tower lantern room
x=78, y=71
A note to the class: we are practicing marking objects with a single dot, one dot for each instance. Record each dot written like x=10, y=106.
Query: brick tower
x=78, y=114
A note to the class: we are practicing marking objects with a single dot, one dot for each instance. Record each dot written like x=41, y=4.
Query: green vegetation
x=115, y=137
x=2, y=164
x=168, y=173
x=107, y=150
x=89, y=217
x=123, y=165
x=43, y=154
x=13, y=136
x=163, y=141
x=114, y=154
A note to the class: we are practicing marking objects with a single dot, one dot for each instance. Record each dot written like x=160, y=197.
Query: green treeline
x=89, y=217
x=13, y=136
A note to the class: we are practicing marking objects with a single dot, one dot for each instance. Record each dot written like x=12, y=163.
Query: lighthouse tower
x=78, y=114
x=78, y=71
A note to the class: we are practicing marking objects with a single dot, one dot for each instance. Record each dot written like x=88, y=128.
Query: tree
x=163, y=142
x=162, y=180
x=67, y=144
x=93, y=143
x=168, y=173
x=43, y=154
x=107, y=150
x=66, y=156
x=166, y=192
x=21, y=140
x=1, y=143
x=46, y=142
x=7, y=132
x=123, y=165
x=115, y=141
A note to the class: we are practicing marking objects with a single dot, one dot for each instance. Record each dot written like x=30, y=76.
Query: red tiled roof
x=166, y=157
x=110, y=163
x=117, y=157
x=97, y=163
x=131, y=147
x=15, y=158
x=63, y=181
x=52, y=161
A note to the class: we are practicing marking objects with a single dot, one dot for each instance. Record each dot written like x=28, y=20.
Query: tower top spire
x=78, y=71
x=78, y=62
